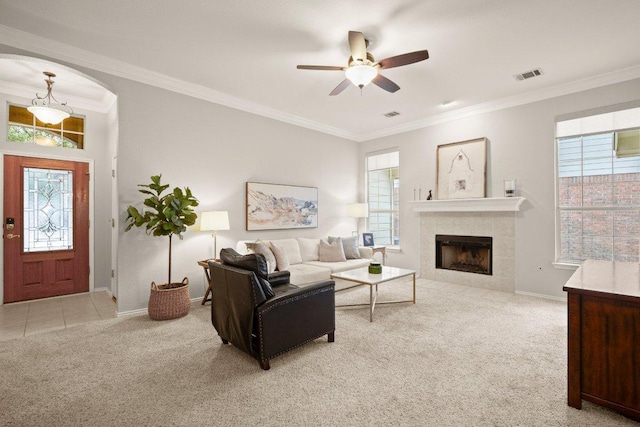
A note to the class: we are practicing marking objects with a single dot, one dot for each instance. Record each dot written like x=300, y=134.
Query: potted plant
x=165, y=215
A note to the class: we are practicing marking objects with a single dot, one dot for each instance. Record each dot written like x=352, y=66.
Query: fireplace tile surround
x=498, y=224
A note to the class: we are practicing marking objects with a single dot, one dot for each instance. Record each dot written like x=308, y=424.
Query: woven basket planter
x=169, y=300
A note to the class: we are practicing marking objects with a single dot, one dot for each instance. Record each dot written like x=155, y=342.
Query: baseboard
x=144, y=310
x=543, y=296
x=131, y=312
x=103, y=289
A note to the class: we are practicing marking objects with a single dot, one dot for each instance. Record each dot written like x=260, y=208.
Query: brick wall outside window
x=605, y=234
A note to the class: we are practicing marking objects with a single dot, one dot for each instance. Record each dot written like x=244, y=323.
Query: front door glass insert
x=48, y=210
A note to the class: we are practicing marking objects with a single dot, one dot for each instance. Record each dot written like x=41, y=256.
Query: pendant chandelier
x=46, y=110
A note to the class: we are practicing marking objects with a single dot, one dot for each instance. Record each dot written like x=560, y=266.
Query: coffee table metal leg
x=373, y=296
x=372, y=302
x=414, y=288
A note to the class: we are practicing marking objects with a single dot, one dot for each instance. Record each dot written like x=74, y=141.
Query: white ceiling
x=243, y=53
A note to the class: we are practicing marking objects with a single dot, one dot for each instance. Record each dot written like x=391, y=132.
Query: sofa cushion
x=241, y=247
x=331, y=252
x=262, y=248
x=309, y=249
x=349, y=245
x=336, y=267
x=304, y=274
x=282, y=262
x=291, y=248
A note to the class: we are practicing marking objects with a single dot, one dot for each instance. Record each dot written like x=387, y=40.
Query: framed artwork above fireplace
x=461, y=169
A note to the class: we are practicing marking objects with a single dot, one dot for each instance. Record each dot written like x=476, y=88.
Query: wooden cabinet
x=604, y=336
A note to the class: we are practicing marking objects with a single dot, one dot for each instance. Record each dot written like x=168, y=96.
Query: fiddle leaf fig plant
x=166, y=214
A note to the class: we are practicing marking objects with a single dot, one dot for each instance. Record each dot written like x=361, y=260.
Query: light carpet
x=456, y=358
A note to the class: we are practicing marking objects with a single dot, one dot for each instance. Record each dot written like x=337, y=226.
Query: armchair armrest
x=278, y=278
x=296, y=317
x=365, y=252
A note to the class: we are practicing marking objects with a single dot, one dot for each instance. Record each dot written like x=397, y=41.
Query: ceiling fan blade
x=404, y=59
x=358, y=46
x=385, y=83
x=342, y=86
x=320, y=67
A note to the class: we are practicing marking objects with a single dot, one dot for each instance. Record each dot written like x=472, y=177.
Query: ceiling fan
x=362, y=69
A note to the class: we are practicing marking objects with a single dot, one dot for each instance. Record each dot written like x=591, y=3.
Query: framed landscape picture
x=277, y=207
x=462, y=169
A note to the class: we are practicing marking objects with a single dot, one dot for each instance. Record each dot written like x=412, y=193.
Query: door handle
x=11, y=236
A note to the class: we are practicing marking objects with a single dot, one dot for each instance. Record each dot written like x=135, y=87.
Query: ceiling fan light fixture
x=47, y=111
x=361, y=75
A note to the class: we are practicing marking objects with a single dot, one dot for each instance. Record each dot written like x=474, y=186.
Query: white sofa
x=304, y=261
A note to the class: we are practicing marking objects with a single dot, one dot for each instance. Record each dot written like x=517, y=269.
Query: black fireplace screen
x=471, y=254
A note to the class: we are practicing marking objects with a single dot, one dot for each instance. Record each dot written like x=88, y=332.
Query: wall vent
x=392, y=114
x=528, y=74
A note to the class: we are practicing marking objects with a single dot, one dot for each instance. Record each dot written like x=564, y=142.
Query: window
x=48, y=210
x=26, y=129
x=383, y=197
x=598, y=190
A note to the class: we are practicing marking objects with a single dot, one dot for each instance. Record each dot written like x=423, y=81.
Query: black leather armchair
x=264, y=320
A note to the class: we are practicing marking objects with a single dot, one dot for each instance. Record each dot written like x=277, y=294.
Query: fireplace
x=471, y=254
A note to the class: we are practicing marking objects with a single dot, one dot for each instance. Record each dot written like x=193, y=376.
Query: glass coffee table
x=361, y=277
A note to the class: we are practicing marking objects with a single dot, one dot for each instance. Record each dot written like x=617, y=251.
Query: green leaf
x=166, y=215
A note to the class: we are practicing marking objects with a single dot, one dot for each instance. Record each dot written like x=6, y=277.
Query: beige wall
x=215, y=150
x=520, y=146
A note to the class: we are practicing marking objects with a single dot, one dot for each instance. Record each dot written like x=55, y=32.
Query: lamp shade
x=214, y=220
x=358, y=210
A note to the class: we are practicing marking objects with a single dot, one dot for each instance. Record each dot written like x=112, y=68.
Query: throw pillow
x=331, y=252
x=350, y=246
x=282, y=262
x=308, y=249
x=291, y=248
x=260, y=247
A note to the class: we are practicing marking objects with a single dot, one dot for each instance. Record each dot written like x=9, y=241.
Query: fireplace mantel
x=487, y=204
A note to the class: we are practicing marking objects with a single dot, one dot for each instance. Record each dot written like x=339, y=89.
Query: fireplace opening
x=471, y=254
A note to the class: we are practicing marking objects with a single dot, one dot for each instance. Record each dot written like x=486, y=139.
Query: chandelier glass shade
x=361, y=75
x=46, y=108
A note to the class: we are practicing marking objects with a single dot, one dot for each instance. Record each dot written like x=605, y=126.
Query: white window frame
x=51, y=133
x=610, y=122
x=395, y=210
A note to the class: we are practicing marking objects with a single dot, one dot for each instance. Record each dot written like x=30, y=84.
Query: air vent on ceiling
x=391, y=114
x=528, y=74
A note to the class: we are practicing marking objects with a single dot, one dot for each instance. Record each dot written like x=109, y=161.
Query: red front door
x=45, y=228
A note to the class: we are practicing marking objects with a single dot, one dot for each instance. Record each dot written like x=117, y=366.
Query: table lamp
x=358, y=210
x=214, y=221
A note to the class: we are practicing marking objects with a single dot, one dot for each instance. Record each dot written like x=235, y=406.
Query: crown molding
x=613, y=77
x=60, y=51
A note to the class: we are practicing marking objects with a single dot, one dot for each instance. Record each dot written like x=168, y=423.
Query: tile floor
x=33, y=317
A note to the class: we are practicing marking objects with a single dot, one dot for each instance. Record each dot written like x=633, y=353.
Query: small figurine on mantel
x=429, y=197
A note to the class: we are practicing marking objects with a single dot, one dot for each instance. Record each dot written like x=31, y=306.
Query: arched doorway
x=20, y=80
